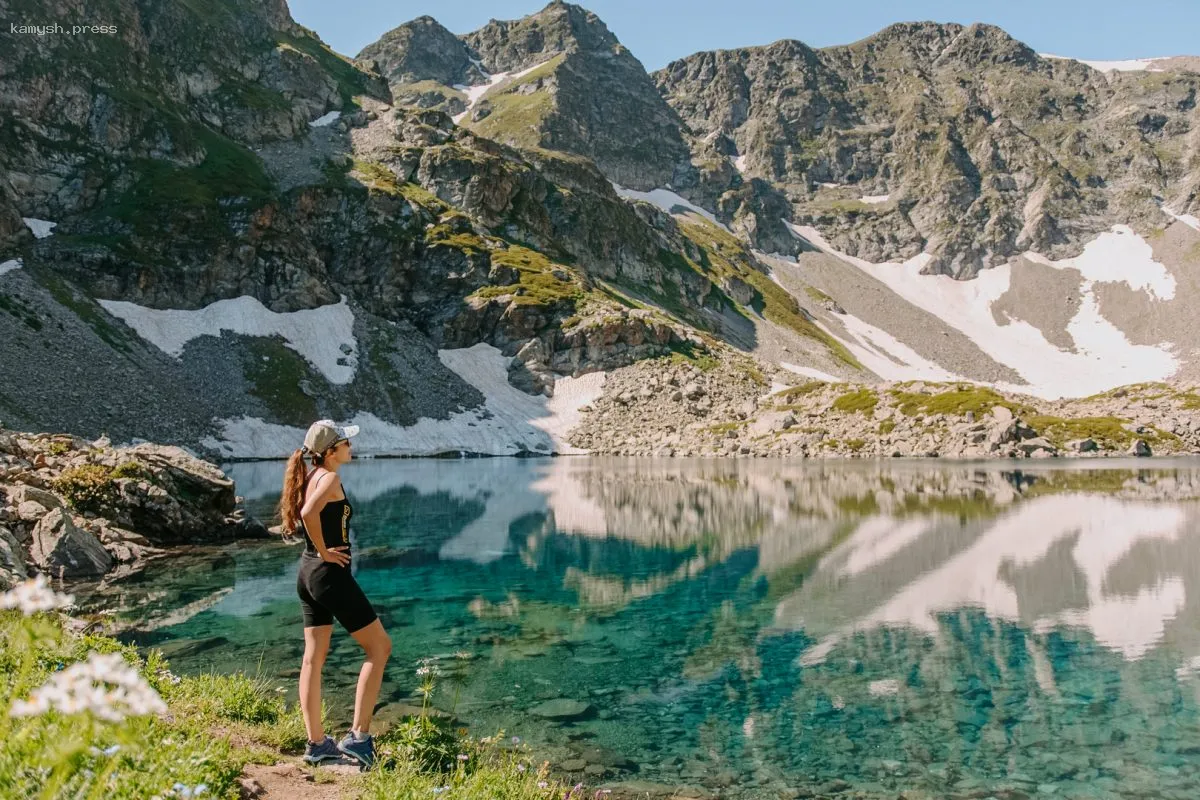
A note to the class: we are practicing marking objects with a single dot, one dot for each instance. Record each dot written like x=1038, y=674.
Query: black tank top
x=335, y=523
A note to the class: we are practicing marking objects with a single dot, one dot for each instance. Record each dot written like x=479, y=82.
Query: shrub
x=88, y=487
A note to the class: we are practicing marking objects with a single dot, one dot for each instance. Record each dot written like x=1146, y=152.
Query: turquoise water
x=754, y=627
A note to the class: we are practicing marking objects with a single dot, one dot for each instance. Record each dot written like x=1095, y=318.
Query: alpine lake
x=749, y=627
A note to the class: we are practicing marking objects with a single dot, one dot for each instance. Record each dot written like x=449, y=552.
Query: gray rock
x=562, y=709
x=772, y=422
x=1002, y=415
x=62, y=549
x=1140, y=448
x=1031, y=446
x=1083, y=446
x=12, y=560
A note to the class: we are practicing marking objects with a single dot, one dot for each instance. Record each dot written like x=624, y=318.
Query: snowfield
x=509, y=422
x=325, y=120
x=321, y=335
x=41, y=228
x=1103, y=358
x=668, y=201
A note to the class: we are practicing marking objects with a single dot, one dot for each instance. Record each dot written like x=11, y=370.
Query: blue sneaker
x=362, y=750
x=325, y=751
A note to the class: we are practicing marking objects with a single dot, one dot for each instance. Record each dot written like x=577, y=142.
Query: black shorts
x=328, y=591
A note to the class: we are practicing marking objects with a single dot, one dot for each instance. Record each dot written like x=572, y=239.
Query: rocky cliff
x=214, y=229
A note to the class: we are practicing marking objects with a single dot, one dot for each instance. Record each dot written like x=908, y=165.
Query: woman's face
x=342, y=452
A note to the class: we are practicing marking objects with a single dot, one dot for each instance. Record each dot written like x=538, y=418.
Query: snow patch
x=1127, y=65
x=509, y=422
x=9, y=266
x=41, y=228
x=1119, y=256
x=810, y=372
x=831, y=185
x=887, y=356
x=475, y=93
x=1104, y=357
x=1186, y=219
x=668, y=201
x=875, y=199
x=325, y=120
x=740, y=163
x=317, y=334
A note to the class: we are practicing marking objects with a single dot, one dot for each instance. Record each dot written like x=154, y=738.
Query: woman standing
x=316, y=503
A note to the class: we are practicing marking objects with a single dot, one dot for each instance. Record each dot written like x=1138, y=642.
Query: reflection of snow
x=879, y=538
x=9, y=266
x=1107, y=530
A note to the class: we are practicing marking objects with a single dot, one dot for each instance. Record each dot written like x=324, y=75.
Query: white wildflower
x=104, y=686
x=35, y=595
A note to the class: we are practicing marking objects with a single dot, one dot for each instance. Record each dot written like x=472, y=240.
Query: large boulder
x=562, y=709
x=64, y=550
x=12, y=560
x=772, y=422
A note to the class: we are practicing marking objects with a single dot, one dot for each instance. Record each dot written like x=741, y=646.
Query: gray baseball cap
x=324, y=433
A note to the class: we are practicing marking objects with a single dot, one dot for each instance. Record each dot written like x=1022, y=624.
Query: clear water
x=752, y=627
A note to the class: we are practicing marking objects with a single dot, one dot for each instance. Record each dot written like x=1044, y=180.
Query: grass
x=887, y=426
x=214, y=726
x=275, y=373
x=15, y=306
x=376, y=177
x=958, y=401
x=420, y=196
x=861, y=401
x=794, y=393
x=817, y=295
x=538, y=279
x=229, y=175
x=516, y=118
x=87, y=310
x=350, y=79
x=1108, y=432
x=689, y=355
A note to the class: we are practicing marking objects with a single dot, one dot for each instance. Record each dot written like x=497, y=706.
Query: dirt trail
x=293, y=780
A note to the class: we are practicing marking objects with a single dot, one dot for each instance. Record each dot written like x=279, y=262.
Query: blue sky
x=658, y=31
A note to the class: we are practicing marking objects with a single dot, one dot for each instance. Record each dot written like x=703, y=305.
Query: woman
x=316, y=503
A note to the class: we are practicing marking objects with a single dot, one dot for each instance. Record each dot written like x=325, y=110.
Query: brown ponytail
x=292, y=498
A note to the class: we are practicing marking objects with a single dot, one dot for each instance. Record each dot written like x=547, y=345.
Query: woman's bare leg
x=316, y=648
x=378, y=647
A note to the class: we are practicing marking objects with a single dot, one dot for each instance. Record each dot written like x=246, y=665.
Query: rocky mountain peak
x=508, y=45
x=422, y=49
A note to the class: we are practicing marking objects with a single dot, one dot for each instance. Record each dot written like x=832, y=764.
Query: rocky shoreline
x=77, y=509
x=727, y=407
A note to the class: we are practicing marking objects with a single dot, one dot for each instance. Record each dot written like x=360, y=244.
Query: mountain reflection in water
x=954, y=629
